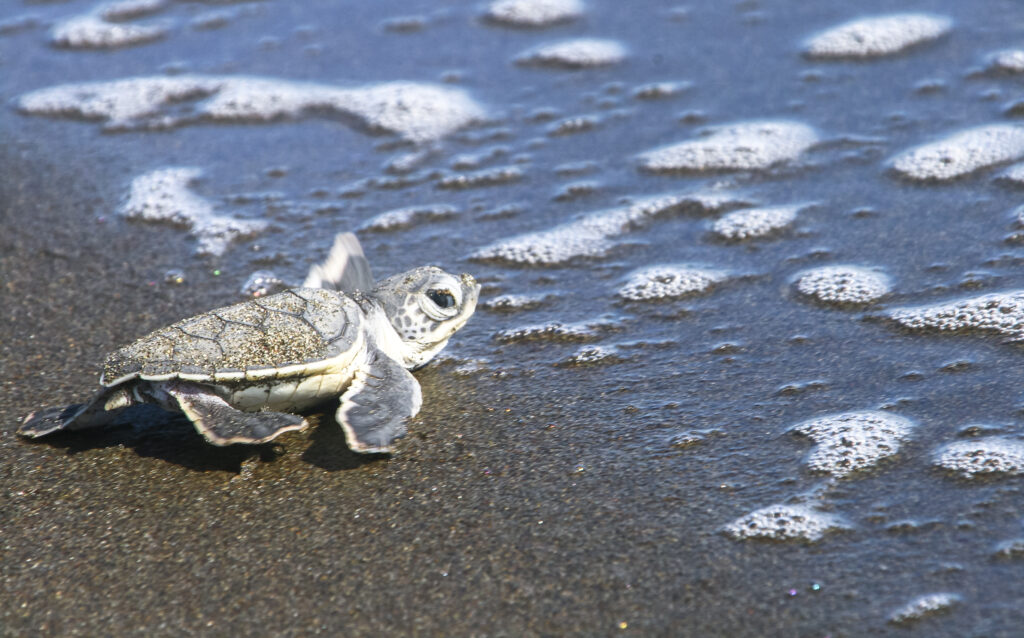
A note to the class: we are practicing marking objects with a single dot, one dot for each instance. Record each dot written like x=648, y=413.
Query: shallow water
x=584, y=459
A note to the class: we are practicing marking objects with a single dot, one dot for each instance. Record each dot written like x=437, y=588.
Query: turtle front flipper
x=382, y=395
x=221, y=424
x=346, y=267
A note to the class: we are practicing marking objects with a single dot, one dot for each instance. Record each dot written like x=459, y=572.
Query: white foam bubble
x=163, y=196
x=923, y=606
x=590, y=236
x=494, y=176
x=741, y=146
x=877, y=36
x=514, y=303
x=1013, y=174
x=405, y=217
x=843, y=284
x=417, y=112
x=852, y=441
x=575, y=54
x=669, y=281
x=576, y=190
x=553, y=331
x=987, y=455
x=755, y=222
x=572, y=125
x=659, y=90
x=534, y=13
x=999, y=312
x=786, y=523
x=92, y=31
x=1012, y=549
x=1007, y=61
x=962, y=153
x=593, y=354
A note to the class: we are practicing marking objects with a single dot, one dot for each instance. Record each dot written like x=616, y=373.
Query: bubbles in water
x=554, y=331
x=590, y=235
x=417, y=112
x=163, y=196
x=877, y=36
x=660, y=90
x=514, y=303
x=843, y=284
x=962, y=153
x=467, y=161
x=689, y=438
x=595, y=354
x=741, y=146
x=576, y=190
x=755, y=222
x=405, y=217
x=786, y=523
x=1001, y=312
x=575, y=54
x=405, y=24
x=210, y=20
x=571, y=125
x=534, y=13
x=1012, y=549
x=1007, y=61
x=923, y=606
x=853, y=441
x=1012, y=175
x=262, y=283
x=989, y=455
x=94, y=30
x=486, y=177
x=669, y=281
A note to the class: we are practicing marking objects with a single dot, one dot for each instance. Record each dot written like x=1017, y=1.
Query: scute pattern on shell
x=293, y=327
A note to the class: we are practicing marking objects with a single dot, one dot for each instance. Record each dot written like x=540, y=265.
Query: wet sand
x=500, y=515
x=538, y=494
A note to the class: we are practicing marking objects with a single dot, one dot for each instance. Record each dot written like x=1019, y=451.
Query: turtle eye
x=441, y=298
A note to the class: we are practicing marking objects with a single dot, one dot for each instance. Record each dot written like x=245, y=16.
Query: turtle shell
x=282, y=335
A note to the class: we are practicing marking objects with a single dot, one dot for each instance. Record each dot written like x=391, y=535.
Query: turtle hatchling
x=241, y=372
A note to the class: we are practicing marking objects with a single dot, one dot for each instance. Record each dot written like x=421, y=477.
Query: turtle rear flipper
x=48, y=420
x=73, y=417
x=377, y=403
x=221, y=424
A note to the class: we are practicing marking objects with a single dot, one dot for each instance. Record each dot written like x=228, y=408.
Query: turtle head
x=425, y=306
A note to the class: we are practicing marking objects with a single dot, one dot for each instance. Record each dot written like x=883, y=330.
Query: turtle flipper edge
x=221, y=424
x=376, y=404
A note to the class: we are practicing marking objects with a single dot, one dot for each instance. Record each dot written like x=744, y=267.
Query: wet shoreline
x=749, y=326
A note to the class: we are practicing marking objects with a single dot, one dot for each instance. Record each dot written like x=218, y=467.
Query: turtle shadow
x=151, y=432
x=328, y=449
x=154, y=433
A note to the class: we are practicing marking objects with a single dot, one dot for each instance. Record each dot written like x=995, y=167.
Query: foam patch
x=733, y=147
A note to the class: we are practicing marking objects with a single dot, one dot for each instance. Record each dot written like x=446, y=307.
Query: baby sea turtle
x=238, y=373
